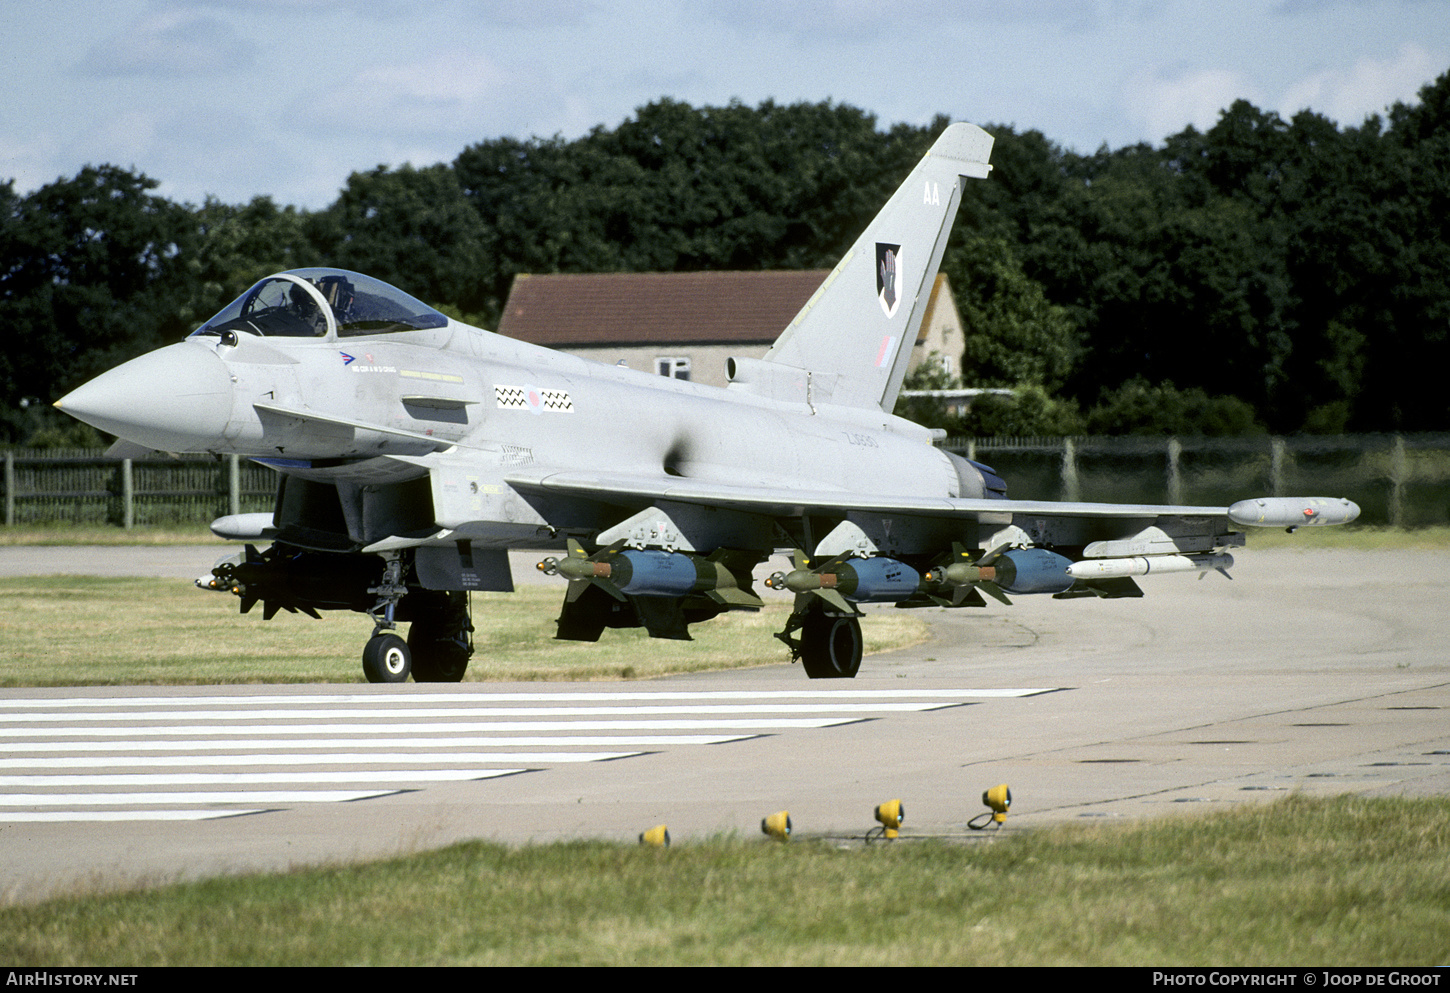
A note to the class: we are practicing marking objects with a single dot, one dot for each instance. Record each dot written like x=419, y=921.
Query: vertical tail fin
x=855, y=335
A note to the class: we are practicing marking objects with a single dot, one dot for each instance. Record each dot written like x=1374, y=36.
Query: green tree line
x=1262, y=275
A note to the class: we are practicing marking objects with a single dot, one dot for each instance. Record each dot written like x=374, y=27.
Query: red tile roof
x=623, y=308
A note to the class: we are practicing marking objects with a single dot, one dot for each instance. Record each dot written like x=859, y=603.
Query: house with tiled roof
x=686, y=324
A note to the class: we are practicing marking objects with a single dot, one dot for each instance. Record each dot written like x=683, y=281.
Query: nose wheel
x=387, y=659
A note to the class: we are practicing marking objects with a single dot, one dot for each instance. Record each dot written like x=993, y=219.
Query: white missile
x=1142, y=565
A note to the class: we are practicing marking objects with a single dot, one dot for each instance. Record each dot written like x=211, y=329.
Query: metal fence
x=1402, y=480
x=82, y=486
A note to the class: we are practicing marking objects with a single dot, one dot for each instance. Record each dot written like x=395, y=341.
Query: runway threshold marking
x=522, y=696
x=106, y=780
x=404, y=740
x=378, y=728
x=191, y=796
x=113, y=816
x=496, y=712
x=289, y=759
x=394, y=744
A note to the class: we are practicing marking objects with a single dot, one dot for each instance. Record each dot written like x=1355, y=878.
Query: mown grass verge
x=87, y=630
x=1342, y=881
x=1351, y=538
x=105, y=534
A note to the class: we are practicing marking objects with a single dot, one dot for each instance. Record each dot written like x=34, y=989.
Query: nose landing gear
x=387, y=659
x=439, y=643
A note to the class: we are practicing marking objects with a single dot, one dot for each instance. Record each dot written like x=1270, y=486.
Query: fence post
x=1276, y=466
x=1398, y=471
x=234, y=484
x=128, y=496
x=9, y=489
x=1175, y=480
x=1071, y=491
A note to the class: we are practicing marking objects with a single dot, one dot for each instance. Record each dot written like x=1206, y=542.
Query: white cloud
x=453, y=98
x=171, y=43
x=1165, y=104
x=29, y=159
x=872, y=20
x=128, y=137
x=1351, y=93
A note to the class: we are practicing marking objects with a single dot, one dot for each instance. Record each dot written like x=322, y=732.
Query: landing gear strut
x=386, y=657
x=829, y=646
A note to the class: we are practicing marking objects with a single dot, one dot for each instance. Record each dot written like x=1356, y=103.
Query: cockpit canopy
x=320, y=303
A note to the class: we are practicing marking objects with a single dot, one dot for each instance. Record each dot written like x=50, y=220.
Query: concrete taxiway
x=1318, y=671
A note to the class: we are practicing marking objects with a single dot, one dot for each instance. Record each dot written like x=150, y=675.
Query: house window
x=675, y=367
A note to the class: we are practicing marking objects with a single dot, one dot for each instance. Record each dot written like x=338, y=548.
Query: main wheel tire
x=386, y=659
x=831, y=646
x=436, y=657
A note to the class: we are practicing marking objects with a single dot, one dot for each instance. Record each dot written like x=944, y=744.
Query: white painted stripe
x=255, y=778
x=401, y=695
x=460, y=712
x=393, y=744
x=79, y=816
x=210, y=796
x=440, y=727
x=308, y=758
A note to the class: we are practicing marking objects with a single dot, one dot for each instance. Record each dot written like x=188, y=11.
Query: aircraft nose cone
x=175, y=399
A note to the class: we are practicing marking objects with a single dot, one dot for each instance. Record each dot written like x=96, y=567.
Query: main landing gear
x=829, y=646
x=439, y=638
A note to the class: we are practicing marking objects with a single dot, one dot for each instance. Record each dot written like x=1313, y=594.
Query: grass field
x=87, y=630
x=1352, y=537
x=102, y=534
x=1299, y=882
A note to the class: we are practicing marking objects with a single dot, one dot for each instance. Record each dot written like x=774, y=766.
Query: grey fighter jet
x=413, y=451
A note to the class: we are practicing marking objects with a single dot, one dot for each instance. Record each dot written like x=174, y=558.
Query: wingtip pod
x=1292, y=512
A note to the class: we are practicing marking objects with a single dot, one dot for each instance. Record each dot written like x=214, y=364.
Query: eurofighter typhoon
x=413, y=451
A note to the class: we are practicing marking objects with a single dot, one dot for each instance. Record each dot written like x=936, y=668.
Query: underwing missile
x=1142, y=565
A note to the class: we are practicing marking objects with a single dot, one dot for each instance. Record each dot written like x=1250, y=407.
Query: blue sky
x=236, y=98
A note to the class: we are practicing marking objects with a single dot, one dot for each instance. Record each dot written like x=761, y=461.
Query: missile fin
x=836, y=601
x=995, y=592
x=967, y=596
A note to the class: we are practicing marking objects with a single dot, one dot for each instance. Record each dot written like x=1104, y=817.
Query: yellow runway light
x=891, y=814
x=777, y=825
x=998, y=798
